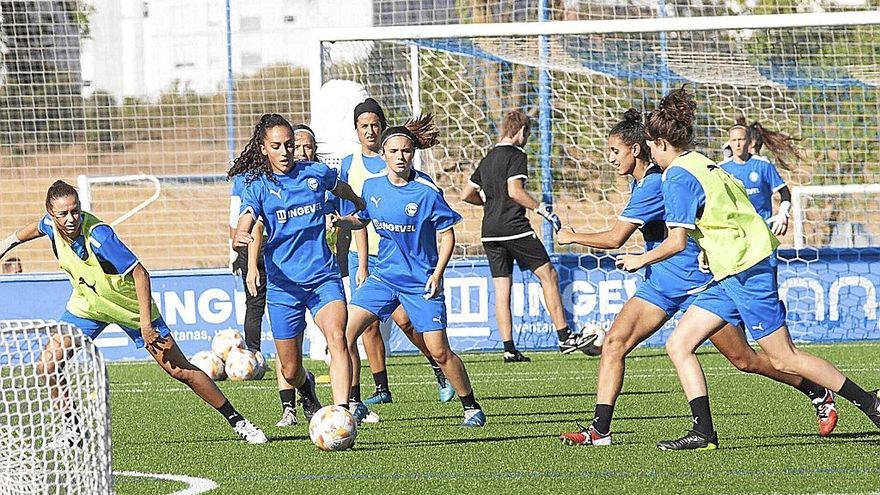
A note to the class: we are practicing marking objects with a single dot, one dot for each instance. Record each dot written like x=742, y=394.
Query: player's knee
x=337, y=341
x=183, y=375
x=614, y=346
x=744, y=363
x=550, y=275
x=785, y=362
x=293, y=374
x=442, y=356
x=675, y=349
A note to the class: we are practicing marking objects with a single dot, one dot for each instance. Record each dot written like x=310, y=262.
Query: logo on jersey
x=283, y=215
x=753, y=176
x=375, y=200
x=411, y=209
x=393, y=227
x=313, y=183
x=90, y=286
x=276, y=193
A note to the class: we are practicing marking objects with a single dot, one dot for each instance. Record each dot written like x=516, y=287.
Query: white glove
x=9, y=243
x=703, y=262
x=546, y=211
x=233, y=257
x=779, y=222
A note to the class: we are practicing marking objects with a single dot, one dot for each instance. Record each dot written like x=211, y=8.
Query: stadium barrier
x=831, y=295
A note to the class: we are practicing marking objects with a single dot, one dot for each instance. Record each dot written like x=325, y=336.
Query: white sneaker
x=372, y=417
x=288, y=417
x=65, y=439
x=249, y=432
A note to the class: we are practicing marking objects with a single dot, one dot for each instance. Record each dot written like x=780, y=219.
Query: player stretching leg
x=289, y=197
x=706, y=203
x=369, y=122
x=498, y=185
x=409, y=212
x=110, y=286
x=669, y=287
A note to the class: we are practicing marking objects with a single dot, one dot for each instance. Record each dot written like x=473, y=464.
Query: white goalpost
x=54, y=414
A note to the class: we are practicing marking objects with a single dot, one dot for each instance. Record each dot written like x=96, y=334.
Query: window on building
x=290, y=19
x=250, y=24
x=251, y=62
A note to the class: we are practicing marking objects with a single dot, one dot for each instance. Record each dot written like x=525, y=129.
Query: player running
x=288, y=197
x=369, y=122
x=498, y=185
x=250, y=265
x=110, y=286
x=670, y=286
x=409, y=212
x=704, y=202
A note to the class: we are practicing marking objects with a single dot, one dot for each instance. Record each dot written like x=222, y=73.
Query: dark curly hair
x=673, y=120
x=631, y=131
x=251, y=161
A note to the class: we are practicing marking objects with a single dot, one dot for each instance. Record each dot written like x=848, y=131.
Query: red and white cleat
x=586, y=436
x=826, y=413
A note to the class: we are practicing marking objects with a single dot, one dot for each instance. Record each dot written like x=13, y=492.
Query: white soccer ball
x=333, y=428
x=226, y=340
x=212, y=365
x=241, y=364
x=596, y=329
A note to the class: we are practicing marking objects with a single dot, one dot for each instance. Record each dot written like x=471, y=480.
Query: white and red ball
x=212, y=365
x=333, y=428
x=241, y=364
x=226, y=340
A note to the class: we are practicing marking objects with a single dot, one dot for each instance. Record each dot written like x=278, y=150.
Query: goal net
x=812, y=76
x=54, y=413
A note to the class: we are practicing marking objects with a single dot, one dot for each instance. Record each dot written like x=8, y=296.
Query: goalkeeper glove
x=779, y=222
x=546, y=211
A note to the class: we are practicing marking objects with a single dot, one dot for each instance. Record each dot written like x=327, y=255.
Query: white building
x=142, y=47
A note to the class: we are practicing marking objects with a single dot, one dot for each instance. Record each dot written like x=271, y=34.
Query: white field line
x=195, y=486
x=163, y=386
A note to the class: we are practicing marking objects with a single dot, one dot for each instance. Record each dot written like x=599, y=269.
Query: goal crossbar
x=644, y=25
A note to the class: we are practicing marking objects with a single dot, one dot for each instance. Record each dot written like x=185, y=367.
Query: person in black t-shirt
x=498, y=184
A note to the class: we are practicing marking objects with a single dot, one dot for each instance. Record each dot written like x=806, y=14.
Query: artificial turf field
x=767, y=433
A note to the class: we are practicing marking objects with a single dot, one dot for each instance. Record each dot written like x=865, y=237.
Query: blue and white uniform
x=748, y=298
x=407, y=219
x=760, y=179
x=115, y=259
x=301, y=271
x=671, y=284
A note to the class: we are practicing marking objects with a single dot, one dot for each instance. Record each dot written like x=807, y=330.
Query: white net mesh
x=54, y=414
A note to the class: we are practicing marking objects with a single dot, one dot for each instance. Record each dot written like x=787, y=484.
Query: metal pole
x=544, y=123
x=664, y=57
x=230, y=106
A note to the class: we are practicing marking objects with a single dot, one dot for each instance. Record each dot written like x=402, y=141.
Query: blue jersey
x=292, y=212
x=760, y=179
x=680, y=274
x=407, y=219
x=114, y=257
x=375, y=165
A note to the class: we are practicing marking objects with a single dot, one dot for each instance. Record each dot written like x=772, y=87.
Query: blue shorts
x=670, y=305
x=748, y=298
x=93, y=328
x=287, y=308
x=353, y=267
x=381, y=299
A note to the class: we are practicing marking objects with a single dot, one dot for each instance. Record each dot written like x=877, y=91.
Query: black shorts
x=528, y=252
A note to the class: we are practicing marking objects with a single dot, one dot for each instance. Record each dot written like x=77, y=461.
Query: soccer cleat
x=826, y=413
x=515, y=357
x=249, y=432
x=379, y=397
x=309, y=400
x=874, y=415
x=65, y=439
x=288, y=417
x=361, y=413
x=473, y=418
x=693, y=440
x=575, y=341
x=372, y=417
x=445, y=392
x=586, y=436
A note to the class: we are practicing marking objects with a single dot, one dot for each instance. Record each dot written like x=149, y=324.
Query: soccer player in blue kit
x=758, y=175
x=670, y=286
x=289, y=198
x=409, y=211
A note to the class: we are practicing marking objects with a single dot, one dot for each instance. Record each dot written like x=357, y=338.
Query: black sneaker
x=309, y=400
x=592, y=350
x=515, y=357
x=694, y=440
x=575, y=341
x=874, y=415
